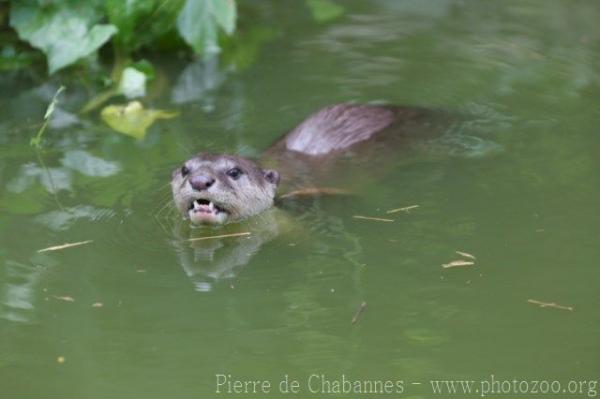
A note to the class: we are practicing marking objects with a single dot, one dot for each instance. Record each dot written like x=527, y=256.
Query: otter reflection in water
x=322, y=151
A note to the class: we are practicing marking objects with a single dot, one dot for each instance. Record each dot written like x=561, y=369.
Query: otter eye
x=234, y=173
x=184, y=170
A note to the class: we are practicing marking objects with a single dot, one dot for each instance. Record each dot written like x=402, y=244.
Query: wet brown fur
x=305, y=152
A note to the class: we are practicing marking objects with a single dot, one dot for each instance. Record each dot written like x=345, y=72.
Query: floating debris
x=64, y=298
x=133, y=119
x=372, y=218
x=405, y=209
x=359, y=312
x=65, y=246
x=61, y=359
x=466, y=255
x=97, y=304
x=246, y=233
x=550, y=305
x=457, y=263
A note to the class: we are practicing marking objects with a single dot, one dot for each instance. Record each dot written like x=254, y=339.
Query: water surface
x=515, y=184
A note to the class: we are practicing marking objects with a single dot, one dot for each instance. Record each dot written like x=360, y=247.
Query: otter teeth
x=203, y=205
x=197, y=205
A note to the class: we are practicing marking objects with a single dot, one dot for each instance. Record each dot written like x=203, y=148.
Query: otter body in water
x=216, y=189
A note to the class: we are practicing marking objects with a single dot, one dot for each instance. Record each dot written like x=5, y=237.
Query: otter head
x=216, y=189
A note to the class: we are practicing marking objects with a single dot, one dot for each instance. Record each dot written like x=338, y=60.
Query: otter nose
x=201, y=182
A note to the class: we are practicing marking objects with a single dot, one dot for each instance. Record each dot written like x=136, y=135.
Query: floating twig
x=466, y=255
x=315, y=191
x=246, y=233
x=65, y=246
x=64, y=298
x=457, y=263
x=550, y=305
x=405, y=209
x=372, y=218
x=359, y=312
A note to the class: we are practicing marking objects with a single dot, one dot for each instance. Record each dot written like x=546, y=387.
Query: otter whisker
x=164, y=200
x=165, y=206
x=164, y=228
x=163, y=187
x=164, y=195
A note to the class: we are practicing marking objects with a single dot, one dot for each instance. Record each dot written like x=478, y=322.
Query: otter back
x=340, y=126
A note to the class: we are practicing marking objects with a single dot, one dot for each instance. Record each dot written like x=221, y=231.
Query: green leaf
x=199, y=20
x=133, y=83
x=324, y=10
x=64, y=34
x=125, y=15
x=146, y=67
x=225, y=14
x=141, y=22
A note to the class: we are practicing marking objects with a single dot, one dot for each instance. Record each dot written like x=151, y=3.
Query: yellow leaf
x=133, y=119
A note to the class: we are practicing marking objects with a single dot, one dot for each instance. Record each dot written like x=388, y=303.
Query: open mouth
x=206, y=211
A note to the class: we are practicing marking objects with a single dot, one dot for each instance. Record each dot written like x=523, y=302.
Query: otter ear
x=272, y=176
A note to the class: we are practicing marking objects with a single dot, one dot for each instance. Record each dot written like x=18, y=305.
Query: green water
x=515, y=184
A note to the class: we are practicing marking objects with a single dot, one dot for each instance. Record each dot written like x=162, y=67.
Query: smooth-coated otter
x=216, y=189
